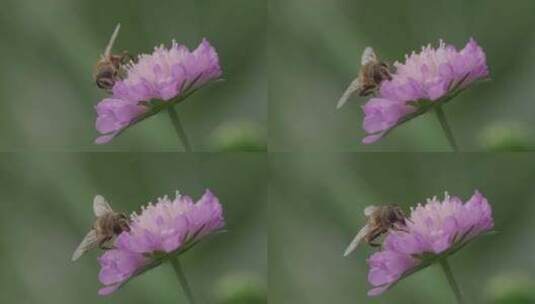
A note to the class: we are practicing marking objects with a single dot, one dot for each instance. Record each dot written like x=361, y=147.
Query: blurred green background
x=312, y=48
x=314, y=53
x=46, y=201
x=49, y=49
x=316, y=205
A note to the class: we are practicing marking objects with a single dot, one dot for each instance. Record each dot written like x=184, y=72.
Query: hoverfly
x=107, y=225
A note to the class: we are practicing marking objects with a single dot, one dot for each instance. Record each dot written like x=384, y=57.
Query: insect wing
x=352, y=88
x=101, y=206
x=89, y=242
x=368, y=56
x=368, y=211
x=356, y=241
x=107, y=52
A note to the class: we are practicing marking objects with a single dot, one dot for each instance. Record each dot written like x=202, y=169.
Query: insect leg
x=374, y=244
x=373, y=235
x=102, y=243
x=385, y=73
x=367, y=90
x=126, y=58
x=399, y=227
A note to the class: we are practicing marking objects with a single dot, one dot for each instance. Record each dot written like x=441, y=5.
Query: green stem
x=182, y=279
x=446, y=128
x=451, y=280
x=179, y=129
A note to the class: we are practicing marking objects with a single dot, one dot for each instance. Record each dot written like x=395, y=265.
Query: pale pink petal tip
x=105, y=291
x=377, y=290
x=104, y=139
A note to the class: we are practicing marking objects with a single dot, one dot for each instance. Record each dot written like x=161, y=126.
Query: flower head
x=427, y=79
x=433, y=231
x=155, y=81
x=166, y=228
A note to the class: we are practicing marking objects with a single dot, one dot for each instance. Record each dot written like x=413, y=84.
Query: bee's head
x=396, y=215
x=121, y=224
x=105, y=78
x=105, y=83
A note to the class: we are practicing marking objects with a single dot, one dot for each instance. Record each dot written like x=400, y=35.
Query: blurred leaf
x=507, y=136
x=238, y=136
x=240, y=289
x=511, y=289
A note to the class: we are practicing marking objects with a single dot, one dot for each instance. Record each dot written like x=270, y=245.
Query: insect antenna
x=107, y=52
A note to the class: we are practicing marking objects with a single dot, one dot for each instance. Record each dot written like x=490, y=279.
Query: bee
x=371, y=74
x=108, y=224
x=380, y=220
x=109, y=68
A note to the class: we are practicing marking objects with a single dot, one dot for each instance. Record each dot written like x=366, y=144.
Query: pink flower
x=114, y=115
x=166, y=75
x=431, y=77
x=166, y=228
x=386, y=268
x=117, y=266
x=433, y=231
x=382, y=114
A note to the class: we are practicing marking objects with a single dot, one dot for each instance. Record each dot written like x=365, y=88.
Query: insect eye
x=105, y=83
x=377, y=77
x=105, y=74
x=393, y=216
x=117, y=228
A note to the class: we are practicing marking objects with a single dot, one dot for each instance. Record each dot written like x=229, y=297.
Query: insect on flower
x=381, y=219
x=162, y=231
x=433, y=232
x=371, y=74
x=155, y=82
x=109, y=68
x=425, y=81
x=108, y=224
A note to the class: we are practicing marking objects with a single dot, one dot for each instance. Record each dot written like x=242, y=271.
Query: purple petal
x=427, y=75
x=432, y=229
x=160, y=75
